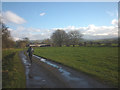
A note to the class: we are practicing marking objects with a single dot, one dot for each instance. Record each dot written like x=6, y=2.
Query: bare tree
x=58, y=37
x=21, y=44
x=26, y=40
x=7, y=41
x=75, y=37
x=67, y=40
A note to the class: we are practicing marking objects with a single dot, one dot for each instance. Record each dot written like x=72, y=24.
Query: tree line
x=74, y=38
x=7, y=40
x=58, y=38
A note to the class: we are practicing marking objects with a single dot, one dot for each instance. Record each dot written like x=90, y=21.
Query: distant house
x=39, y=45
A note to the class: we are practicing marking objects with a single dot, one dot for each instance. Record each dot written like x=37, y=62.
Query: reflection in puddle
x=65, y=73
x=27, y=65
x=43, y=60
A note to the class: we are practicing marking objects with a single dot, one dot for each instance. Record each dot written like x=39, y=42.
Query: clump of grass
x=100, y=62
x=13, y=74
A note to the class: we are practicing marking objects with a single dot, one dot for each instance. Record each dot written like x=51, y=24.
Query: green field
x=13, y=74
x=99, y=62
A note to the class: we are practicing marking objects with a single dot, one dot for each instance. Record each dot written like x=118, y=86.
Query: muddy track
x=47, y=74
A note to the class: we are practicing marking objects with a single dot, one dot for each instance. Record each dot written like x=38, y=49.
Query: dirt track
x=47, y=74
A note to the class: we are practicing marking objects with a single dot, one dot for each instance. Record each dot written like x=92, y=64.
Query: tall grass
x=100, y=62
x=13, y=74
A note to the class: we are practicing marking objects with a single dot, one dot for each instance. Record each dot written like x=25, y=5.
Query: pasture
x=98, y=62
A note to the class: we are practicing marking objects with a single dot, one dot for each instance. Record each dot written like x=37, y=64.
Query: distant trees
x=22, y=43
x=7, y=41
x=75, y=37
x=60, y=37
x=47, y=41
x=67, y=40
x=26, y=40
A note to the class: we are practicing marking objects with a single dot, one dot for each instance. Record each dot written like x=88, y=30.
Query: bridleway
x=44, y=73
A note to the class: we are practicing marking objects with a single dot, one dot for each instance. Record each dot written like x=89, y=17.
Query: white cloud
x=31, y=33
x=9, y=29
x=95, y=32
x=42, y=14
x=10, y=17
x=100, y=34
x=114, y=22
x=15, y=38
x=90, y=32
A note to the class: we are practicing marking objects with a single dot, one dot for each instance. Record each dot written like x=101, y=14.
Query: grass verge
x=13, y=74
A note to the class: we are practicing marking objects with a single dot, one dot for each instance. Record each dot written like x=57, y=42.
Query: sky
x=38, y=20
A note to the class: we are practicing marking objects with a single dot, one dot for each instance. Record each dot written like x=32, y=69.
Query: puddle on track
x=64, y=72
x=26, y=64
